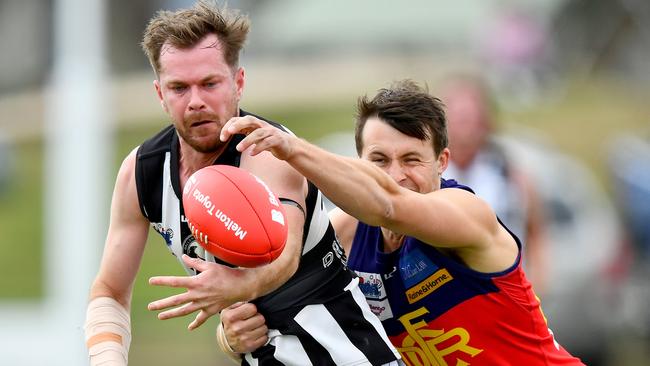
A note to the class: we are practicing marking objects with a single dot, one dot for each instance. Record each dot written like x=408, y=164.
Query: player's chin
x=205, y=144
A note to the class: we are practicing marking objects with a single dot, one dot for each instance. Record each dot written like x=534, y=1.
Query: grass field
x=580, y=124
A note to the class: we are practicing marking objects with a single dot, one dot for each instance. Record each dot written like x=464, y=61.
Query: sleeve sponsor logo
x=426, y=287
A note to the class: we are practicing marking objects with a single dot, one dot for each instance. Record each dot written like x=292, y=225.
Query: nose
x=196, y=101
x=396, y=171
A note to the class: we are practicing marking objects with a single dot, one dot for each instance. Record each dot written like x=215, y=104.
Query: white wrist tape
x=108, y=332
x=224, y=346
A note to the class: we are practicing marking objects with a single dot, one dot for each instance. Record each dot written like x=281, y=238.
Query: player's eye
x=179, y=88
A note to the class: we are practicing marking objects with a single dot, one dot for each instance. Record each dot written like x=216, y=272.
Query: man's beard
x=206, y=148
x=201, y=144
x=204, y=145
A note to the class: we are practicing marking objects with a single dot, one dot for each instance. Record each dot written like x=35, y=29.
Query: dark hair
x=408, y=108
x=186, y=27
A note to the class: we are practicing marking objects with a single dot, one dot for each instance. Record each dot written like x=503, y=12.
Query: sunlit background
x=571, y=79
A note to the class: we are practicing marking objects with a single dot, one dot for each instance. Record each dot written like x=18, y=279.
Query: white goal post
x=77, y=167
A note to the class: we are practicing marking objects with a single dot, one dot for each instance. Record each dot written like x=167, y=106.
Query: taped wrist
x=108, y=332
x=224, y=346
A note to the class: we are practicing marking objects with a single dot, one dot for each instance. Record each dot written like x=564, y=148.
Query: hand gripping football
x=234, y=215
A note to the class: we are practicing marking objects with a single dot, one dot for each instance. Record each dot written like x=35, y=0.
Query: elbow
x=384, y=214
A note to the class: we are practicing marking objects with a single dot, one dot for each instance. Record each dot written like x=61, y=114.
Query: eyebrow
x=411, y=155
x=377, y=153
x=203, y=80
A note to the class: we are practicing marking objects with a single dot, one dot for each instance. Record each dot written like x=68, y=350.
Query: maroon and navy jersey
x=438, y=311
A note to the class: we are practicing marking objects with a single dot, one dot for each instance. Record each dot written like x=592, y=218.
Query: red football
x=234, y=215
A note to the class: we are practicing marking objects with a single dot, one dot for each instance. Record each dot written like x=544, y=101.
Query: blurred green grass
x=580, y=124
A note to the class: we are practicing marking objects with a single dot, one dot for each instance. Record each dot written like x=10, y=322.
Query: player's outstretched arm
x=449, y=217
x=356, y=186
x=107, y=328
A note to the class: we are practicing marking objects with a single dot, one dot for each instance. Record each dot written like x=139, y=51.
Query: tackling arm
x=449, y=218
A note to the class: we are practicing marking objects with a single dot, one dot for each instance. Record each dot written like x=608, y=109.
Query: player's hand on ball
x=244, y=327
x=260, y=136
x=208, y=292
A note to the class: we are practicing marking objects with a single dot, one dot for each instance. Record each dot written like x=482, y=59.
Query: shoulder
x=128, y=164
x=160, y=141
x=125, y=194
x=125, y=183
x=283, y=179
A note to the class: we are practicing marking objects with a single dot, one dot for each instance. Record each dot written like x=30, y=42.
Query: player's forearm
x=108, y=332
x=359, y=188
x=265, y=279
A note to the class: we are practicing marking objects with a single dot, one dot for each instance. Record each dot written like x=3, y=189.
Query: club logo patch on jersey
x=371, y=285
x=166, y=233
x=423, y=345
x=192, y=248
x=414, y=267
x=373, y=289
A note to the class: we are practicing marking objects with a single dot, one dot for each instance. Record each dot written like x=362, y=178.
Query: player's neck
x=392, y=240
x=191, y=160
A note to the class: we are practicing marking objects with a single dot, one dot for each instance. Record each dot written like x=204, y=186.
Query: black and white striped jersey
x=319, y=316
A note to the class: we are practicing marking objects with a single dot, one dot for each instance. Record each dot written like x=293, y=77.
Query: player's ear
x=443, y=160
x=240, y=81
x=156, y=85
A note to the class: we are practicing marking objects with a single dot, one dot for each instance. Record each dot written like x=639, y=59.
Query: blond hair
x=184, y=28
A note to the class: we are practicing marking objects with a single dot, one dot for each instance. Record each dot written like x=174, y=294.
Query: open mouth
x=200, y=123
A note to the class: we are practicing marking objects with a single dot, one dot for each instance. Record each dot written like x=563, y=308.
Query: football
x=234, y=215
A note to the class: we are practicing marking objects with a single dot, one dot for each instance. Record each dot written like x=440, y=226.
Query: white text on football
x=272, y=199
x=204, y=200
x=230, y=224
